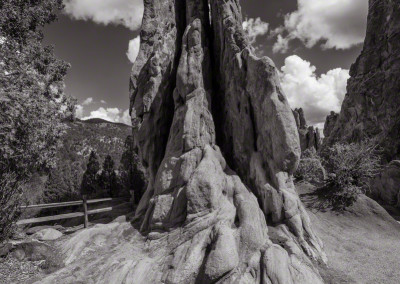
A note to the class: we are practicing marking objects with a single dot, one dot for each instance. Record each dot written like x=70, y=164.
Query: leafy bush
x=32, y=100
x=310, y=167
x=62, y=184
x=351, y=168
x=10, y=196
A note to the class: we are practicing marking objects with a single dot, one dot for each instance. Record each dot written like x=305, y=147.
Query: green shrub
x=10, y=200
x=351, y=168
x=32, y=100
x=310, y=168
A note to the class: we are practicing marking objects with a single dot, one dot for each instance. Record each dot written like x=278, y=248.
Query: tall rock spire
x=371, y=107
x=220, y=142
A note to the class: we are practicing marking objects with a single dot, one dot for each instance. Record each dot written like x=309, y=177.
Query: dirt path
x=362, y=243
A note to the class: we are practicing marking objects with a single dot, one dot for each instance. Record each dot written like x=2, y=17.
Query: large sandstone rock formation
x=309, y=136
x=220, y=143
x=371, y=107
x=330, y=123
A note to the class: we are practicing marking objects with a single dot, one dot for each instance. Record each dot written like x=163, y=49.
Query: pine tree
x=108, y=178
x=89, y=185
x=133, y=174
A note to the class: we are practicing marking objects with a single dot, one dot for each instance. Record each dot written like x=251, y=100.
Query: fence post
x=85, y=212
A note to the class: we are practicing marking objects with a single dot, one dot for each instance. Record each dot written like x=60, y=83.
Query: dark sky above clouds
x=312, y=42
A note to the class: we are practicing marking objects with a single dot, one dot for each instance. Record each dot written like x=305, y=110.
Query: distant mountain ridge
x=102, y=136
x=100, y=120
x=80, y=139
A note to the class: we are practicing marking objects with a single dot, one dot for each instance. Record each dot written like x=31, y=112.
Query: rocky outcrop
x=309, y=136
x=48, y=234
x=220, y=143
x=386, y=186
x=371, y=107
x=330, y=122
x=233, y=107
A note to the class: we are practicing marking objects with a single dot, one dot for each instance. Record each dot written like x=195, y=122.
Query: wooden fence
x=83, y=214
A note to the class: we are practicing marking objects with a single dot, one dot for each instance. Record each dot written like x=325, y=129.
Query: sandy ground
x=362, y=243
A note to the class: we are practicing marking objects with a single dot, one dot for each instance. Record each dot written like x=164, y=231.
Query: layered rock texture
x=309, y=136
x=386, y=186
x=220, y=143
x=330, y=122
x=371, y=107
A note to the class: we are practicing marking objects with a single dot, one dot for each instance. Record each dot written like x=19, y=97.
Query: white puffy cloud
x=317, y=95
x=254, y=28
x=88, y=101
x=79, y=111
x=120, y=12
x=133, y=49
x=281, y=44
x=339, y=24
x=110, y=114
x=103, y=101
x=126, y=118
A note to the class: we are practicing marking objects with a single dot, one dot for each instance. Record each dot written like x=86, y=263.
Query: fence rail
x=83, y=214
x=69, y=203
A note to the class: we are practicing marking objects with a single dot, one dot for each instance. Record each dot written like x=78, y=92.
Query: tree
x=108, y=178
x=89, y=185
x=351, y=167
x=60, y=185
x=133, y=174
x=32, y=99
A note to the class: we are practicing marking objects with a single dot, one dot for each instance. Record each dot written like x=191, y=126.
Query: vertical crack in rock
x=152, y=82
x=201, y=216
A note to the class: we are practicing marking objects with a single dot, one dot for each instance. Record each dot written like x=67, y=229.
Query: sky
x=312, y=42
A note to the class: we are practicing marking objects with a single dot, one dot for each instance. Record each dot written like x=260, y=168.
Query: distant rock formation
x=330, y=122
x=220, y=143
x=309, y=136
x=371, y=107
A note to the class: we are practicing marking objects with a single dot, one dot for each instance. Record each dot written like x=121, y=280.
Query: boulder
x=371, y=107
x=32, y=251
x=48, y=234
x=36, y=229
x=5, y=249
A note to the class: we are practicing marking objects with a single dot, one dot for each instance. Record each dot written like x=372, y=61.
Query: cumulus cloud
x=110, y=114
x=103, y=101
x=254, y=28
x=133, y=49
x=339, y=24
x=126, y=118
x=317, y=95
x=120, y=12
x=79, y=111
x=88, y=101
